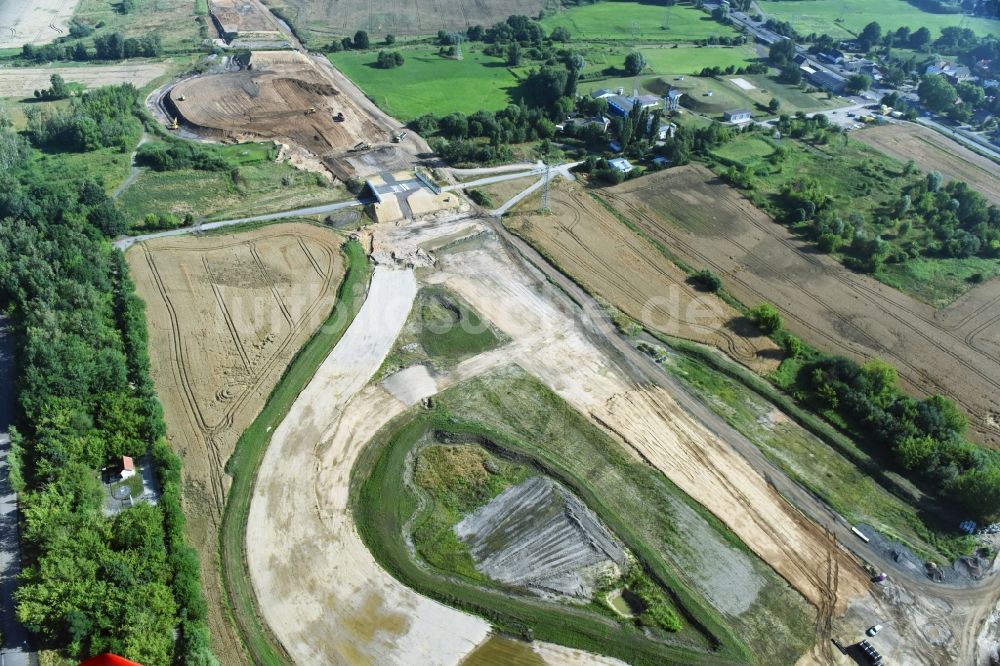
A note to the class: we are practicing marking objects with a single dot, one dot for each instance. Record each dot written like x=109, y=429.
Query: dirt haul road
x=588, y=243
x=24, y=81
x=310, y=571
x=225, y=315
x=952, y=351
x=933, y=151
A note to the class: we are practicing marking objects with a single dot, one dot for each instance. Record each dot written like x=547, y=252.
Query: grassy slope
x=429, y=83
x=250, y=451
x=839, y=472
x=638, y=503
x=844, y=18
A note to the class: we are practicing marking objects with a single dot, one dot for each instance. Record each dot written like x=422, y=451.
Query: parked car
x=874, y=630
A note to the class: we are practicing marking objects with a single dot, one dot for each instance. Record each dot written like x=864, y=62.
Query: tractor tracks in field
x=854, y=339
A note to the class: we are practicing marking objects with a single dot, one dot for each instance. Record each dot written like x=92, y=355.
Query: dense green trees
x=90, y=583
x=766, y=317
x=389, y=59
x=936, y=93
x=925, y=437
x=98, y=119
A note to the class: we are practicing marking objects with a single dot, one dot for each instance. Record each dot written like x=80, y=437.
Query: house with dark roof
x=622, y=106
x=604, y=93
x=827, y=80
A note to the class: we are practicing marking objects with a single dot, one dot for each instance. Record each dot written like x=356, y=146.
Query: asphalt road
x=128, y=241
x=14, y=650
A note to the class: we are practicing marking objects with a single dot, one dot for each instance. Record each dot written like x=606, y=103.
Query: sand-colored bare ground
x=226, y=314
x=932, y=151
x=317, y=585
x=33, y=21
x=295, y=98
x=610, y=260
x=952, y=351
x=24, y=81
x=320, y=589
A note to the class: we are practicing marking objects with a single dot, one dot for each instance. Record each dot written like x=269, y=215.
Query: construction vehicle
x=361, y=146
x=181, y=98
x=173, y=124
x=311, y=110
x=399, y=137
x=339, y=118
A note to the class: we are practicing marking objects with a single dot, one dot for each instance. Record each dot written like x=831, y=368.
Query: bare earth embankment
x=708, y=224
x=932, y=151
x=226, y=314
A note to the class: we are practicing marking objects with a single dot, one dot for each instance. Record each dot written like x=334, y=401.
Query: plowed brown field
x=708, y=224
x=932, y=151
x=226, y=314
x=602, y=254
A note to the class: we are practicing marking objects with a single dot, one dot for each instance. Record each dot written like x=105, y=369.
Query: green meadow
x=841, y=18
x=618, y=19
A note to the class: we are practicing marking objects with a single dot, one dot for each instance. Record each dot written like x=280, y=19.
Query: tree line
x=90, y=583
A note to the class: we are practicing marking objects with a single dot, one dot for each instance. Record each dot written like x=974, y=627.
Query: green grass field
x=727, y=95
x=173, y=20
x=938, y=281
x=250, y=448
x=843, y=18
x=107, y=165
x=637, y=22
x=429, y=83
x=441, y=330
x=212, y=195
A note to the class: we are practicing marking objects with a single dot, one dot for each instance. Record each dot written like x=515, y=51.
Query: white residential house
x=620, y=164
x=737, y=116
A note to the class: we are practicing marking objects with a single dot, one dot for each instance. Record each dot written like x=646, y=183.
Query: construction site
x=298, y=100
x=644, y=526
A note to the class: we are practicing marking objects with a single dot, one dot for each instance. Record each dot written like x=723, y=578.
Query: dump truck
x=311, y=110
x=399, y=137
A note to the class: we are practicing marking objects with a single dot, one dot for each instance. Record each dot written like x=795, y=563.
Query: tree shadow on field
x=744, y=328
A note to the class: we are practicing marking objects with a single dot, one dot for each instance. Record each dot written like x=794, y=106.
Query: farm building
x=737, y=116
x=605, y=93
x=822, y=78
x=622, y=106
x=128, y=467
x=620, y=164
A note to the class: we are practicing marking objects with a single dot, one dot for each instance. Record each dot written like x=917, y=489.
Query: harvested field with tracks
x=292, y=98
x=933, y=151
x=708, y=224
x=226, y=314
x=24, y=81
x=586, y=241
x=321, y=19
x=33, y=21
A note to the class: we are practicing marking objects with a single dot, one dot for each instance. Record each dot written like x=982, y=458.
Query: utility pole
x=458, y=46
x=545, y=188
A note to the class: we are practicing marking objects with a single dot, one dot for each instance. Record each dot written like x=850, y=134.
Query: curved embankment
x=384, y=505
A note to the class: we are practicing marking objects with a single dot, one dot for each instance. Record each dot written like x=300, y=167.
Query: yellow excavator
x=173, y=124
x=311, y=110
